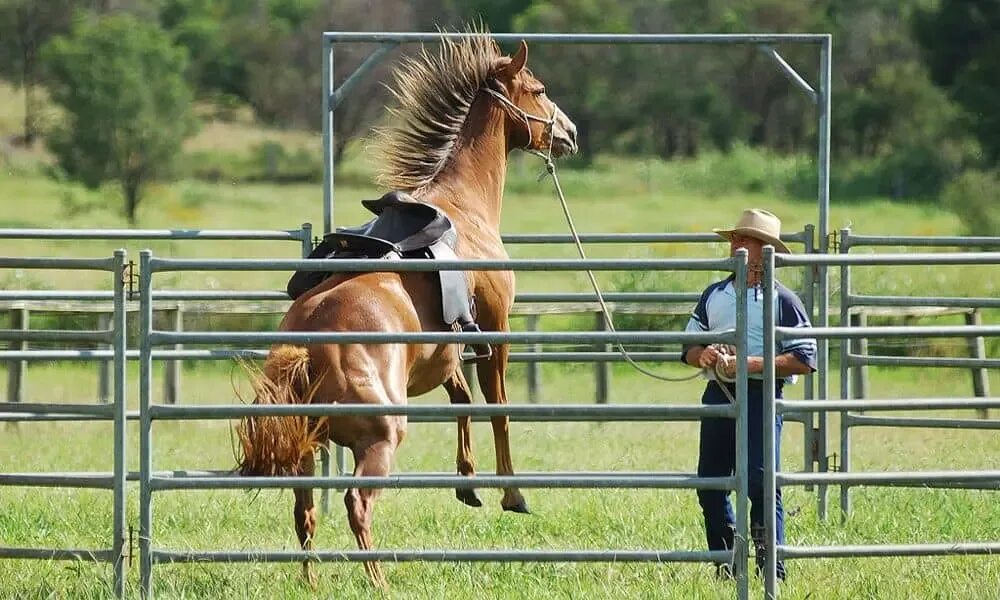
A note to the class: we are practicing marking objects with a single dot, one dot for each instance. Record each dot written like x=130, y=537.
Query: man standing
x=715, y=311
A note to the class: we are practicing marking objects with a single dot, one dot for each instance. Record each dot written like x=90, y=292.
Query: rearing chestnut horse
x=460, y=114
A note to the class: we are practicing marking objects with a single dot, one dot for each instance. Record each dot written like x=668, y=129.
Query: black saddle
x=402, y=228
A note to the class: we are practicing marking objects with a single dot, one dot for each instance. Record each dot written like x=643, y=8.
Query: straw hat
x=760, y=224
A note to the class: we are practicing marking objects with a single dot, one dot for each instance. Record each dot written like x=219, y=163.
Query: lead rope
x=550, y=169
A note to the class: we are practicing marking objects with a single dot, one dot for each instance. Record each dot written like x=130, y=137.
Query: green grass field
x=614, y=195
x=411, y=519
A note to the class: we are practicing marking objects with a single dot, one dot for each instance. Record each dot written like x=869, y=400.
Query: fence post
x=977, y=349
x=104, y=366
x=172, y=372
x=534, y=381
x=602, y=369
x=859, y=347
x=19, y=318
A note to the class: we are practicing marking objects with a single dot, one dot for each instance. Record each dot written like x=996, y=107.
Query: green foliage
x=267, y=161
x=128, y=109
x=25, y=26
x=973, y=197
x=960, y=40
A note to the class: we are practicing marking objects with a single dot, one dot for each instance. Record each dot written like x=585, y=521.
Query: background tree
x=127, y=107
x=25, y=26
x=960, y=40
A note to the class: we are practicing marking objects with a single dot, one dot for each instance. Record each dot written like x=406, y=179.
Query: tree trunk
x=30, y=113
x=30, y=99
x=131, y=186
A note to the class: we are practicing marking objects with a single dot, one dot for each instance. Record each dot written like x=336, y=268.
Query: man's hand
x=708, y=357
x=728, y=366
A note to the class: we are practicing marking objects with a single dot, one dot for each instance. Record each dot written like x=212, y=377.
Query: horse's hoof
x=468, y=496
x=520, y=507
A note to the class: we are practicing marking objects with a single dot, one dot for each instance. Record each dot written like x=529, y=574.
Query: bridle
x=527, y=117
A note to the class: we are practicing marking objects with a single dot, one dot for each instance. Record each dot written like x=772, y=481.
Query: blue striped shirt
x=716, y=311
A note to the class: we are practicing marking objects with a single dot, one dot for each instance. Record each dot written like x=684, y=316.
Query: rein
x=550, y=168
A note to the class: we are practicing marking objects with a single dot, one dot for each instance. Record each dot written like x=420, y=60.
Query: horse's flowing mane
x=434, y=95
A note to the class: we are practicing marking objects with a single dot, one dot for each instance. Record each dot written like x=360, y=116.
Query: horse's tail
x=272, y=445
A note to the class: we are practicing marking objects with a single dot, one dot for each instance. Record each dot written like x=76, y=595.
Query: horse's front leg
x=459, y=393
x=492, y=374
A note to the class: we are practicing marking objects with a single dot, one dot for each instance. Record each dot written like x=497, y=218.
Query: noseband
x=527, y=118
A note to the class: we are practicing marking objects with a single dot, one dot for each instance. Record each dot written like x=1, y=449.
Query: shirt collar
x=730, y=289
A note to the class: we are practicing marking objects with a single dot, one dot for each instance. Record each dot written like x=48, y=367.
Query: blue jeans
x=717, y=458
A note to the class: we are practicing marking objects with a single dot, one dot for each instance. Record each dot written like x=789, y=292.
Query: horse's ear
x=513, y=65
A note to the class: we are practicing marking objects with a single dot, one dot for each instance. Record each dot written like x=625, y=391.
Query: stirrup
x=483, y=351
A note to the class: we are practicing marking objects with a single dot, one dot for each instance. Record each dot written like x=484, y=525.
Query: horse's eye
x=539, y=91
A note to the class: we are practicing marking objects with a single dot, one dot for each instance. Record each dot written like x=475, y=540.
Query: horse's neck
x=470, y=189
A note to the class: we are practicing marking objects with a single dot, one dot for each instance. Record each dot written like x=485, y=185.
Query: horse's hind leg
x=491, y=379
x=305, y=519
x=372, y=461
x=459, y=393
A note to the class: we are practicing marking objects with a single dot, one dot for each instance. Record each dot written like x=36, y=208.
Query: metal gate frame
x=115, y=480
x=773, y=478
x=151, y=481
x=820, y=96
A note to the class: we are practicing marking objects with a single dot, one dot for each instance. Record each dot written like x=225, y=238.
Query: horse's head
x=537, y=123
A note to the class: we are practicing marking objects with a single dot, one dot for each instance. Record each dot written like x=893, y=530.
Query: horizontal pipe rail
x=59, y=554
x=628, y=238
x=35, y=295
x=901, y=478
x=923, y=361
x=911, y=404
x=162, y=337
x=281, y=296
x=447, y=481
x=616, y=556
x=7, y=417
x=909, y=301
x=61, y=480
x=927, y=422
x=915, y=259
x=664, y=297
x=514, y=357
x=417, y=418
x=45, y=355
x=585, y=38
x=933, y=241
x=277, y=295
x=56, y=335
x=150, y=234
x=609, y=412
x=39, y=408
x=206, y=354
x=884, y=550
x=63, y=264
x=366, y=265
x=958, y=331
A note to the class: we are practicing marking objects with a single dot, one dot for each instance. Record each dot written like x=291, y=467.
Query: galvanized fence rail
x=114, y=480
x=983, y=479
x=20, y=303
x=151, y=482
x=854, y=358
